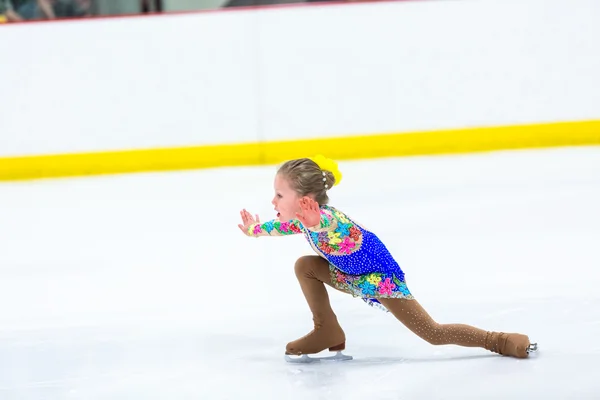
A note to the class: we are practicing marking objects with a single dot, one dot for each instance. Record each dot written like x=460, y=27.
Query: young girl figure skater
x=352, y=259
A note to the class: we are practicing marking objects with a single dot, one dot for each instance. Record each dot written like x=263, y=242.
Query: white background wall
x=296, y=72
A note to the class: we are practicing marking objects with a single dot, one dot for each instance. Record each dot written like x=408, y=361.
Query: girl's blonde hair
x=306, y=177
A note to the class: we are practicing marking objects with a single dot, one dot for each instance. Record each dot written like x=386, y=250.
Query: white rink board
x=247, y=76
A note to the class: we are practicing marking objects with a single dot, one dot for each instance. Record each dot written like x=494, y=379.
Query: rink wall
x=258, y=86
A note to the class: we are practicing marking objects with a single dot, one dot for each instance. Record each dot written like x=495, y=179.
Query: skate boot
x=327, y=334
x=509, y=344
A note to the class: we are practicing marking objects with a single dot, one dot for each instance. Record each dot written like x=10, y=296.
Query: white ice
x=142, y=287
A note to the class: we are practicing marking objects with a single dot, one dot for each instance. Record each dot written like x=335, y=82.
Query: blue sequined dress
x=359, y=263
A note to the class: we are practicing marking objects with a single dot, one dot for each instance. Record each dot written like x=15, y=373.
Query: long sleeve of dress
x=275, y=228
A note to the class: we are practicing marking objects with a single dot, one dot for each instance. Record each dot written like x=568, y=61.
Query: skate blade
x=532, y=348
x=305, y=359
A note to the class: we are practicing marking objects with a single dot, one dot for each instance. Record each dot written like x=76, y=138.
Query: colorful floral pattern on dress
x=343, y=237
x=276, y=228
x=374, y=285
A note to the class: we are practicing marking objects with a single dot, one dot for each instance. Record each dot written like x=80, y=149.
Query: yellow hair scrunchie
x=327, y=164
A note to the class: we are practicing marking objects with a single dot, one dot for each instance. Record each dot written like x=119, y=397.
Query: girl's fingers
x=246, y=217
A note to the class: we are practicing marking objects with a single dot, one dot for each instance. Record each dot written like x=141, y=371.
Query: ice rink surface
x=142, y=286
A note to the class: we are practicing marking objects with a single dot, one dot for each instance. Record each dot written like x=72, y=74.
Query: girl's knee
x=436, y=338
x=305, y=264
x=435, y=334
x=313, y=267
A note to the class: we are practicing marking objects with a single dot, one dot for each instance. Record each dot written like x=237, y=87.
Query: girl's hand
x=311, y=214
x=247, y=220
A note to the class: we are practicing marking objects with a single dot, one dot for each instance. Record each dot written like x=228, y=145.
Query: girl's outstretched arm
x=274, y=228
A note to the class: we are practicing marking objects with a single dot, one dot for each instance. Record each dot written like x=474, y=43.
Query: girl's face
x=286, y=200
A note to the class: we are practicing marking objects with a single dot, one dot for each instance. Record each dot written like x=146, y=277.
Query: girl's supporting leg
x=312, y=272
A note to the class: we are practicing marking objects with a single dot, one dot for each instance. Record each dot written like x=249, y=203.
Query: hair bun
x=327, y=164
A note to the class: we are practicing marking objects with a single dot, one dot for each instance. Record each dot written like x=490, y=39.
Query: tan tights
x=415, y=318
x=409, y=312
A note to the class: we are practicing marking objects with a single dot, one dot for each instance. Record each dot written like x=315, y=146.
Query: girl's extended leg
x=415, y=318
